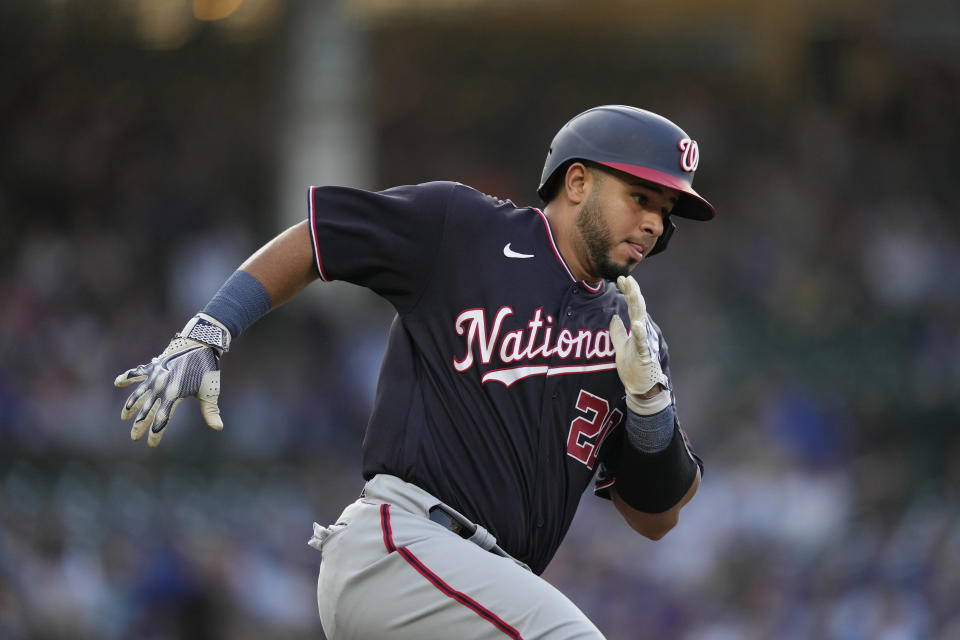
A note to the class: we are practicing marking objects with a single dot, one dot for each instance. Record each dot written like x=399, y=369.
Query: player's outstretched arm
x=190, y=365
x=284, y=266
x=656, y=473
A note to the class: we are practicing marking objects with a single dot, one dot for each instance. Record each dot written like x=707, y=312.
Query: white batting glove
x=639, y=371
x=189, y=366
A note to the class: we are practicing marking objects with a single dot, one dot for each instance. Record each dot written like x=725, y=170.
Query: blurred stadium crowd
x=815, y=328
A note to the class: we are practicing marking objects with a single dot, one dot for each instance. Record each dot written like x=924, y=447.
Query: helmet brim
x=690, y=204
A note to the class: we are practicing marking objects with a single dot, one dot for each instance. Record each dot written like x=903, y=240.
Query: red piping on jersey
x=385, y=525
x=313, y=238
x=608, y=483
x=556, y=252
x=436, y=581
x=553, y=244
x=589, y=287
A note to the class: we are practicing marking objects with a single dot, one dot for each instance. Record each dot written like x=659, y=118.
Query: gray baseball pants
x=388, y=571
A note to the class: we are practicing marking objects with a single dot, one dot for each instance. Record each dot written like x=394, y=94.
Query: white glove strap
x=208, y=330
x=648, y=406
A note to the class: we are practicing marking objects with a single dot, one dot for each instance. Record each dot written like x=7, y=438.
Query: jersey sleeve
x=386, y=241
x=606, y=475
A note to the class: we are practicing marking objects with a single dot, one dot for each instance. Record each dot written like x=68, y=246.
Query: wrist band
x=241, y=301
x=653, y=433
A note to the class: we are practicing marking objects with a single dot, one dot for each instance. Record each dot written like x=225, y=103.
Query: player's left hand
x=639, y=371
x=189, y=366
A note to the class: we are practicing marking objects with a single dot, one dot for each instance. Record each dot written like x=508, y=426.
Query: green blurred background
x=148, y=146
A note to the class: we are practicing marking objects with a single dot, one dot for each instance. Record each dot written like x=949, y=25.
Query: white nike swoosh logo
x=510, y=253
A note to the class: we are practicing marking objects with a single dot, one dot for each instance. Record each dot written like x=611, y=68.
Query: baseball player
x=521, y=366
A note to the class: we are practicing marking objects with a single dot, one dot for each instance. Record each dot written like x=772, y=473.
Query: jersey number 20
x=588, y=432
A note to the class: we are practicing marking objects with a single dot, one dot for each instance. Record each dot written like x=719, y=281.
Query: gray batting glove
x=639, y=371
x=189, y=366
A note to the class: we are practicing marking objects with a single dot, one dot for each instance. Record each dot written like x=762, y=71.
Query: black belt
x=450, y=519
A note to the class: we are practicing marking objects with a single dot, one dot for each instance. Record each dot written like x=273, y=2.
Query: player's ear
x=576, y=182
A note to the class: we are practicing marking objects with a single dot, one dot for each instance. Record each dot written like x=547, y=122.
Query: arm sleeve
x=386, y=241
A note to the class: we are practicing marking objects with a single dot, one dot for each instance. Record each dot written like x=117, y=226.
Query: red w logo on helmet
x=691, y=154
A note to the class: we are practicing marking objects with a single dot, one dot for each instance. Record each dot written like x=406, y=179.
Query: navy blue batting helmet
x=634, y=141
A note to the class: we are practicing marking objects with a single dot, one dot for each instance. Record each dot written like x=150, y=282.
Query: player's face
x=620, y=222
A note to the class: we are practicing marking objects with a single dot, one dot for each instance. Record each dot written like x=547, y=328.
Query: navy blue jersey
x=498, y=392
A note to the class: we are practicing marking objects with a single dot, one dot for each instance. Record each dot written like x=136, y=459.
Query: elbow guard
x=654, y=482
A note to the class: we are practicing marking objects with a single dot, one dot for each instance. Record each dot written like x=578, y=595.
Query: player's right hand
x=189, y=366
x=639, y=371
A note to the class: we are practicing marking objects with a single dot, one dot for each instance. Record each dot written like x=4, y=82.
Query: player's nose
x=651, y=223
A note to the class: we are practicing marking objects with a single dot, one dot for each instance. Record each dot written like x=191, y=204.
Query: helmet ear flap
x=669, y=228
x=551, y=184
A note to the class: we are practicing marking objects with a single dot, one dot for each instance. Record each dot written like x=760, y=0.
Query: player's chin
x=611, y=269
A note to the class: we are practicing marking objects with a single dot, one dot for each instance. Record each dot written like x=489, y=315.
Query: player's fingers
x=130, y=376
x=639, y=330
x=636, y=299
x=144, y=417
x=208, y=394
x=211, y=414
x=618, y=333
x=134, y=402
x=636, y=306
x=160, y=422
